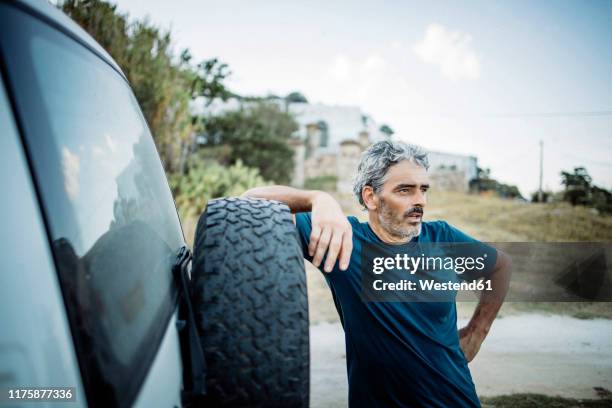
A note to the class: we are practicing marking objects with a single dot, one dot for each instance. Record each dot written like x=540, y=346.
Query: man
x=398, y=353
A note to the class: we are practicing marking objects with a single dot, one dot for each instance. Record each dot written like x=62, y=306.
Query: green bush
x=208, y=179
x=325, y=183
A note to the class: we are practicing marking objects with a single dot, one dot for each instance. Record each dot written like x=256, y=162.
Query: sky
x=485, y=78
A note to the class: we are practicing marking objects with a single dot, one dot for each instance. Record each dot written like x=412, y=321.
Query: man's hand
x=331, y=233
x=470, y=340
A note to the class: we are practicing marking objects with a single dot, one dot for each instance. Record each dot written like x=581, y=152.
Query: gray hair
x=378, y=158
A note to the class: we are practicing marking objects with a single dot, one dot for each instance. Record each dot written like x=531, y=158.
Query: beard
x=398, y=225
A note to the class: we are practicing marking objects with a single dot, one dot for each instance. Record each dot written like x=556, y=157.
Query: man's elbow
x=503, y=270
x=248, y=193
x=506, y=262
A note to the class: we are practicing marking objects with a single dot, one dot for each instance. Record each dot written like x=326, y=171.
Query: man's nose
x=420, y=199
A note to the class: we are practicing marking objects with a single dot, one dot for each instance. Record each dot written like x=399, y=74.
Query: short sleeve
x=303, y=223
x=474, y=249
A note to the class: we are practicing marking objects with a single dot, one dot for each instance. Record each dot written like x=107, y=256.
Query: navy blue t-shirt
x=399, y=354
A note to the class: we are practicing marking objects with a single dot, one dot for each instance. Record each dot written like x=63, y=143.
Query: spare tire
x=250, y=302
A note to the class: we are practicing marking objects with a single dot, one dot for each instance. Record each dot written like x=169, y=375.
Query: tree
x=577, y=186
x=483, y=173
x=207, y=79
x=258, y=135
x=386, y=129
x=484, y=182
x=579, y=189
x=602, y=200
x=296, y=97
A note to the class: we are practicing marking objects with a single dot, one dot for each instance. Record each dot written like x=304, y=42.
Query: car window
x=113, y=226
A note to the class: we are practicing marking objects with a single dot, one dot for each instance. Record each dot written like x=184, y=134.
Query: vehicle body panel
x=94, y=228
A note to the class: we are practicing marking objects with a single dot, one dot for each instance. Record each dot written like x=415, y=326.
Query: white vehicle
x=98, y=294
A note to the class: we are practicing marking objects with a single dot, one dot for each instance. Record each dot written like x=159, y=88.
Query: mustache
x=418, y=210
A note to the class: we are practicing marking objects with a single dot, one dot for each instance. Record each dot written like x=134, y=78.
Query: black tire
x=250, y=301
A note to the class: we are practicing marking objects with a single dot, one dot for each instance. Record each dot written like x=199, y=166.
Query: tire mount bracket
x=194, y=363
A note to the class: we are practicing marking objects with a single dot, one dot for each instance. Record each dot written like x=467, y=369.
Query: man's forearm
x=297, y=200
x=472, y=336
x=491, y=301
x=331, y=233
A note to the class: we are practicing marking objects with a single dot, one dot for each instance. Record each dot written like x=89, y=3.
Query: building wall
x=349, y=134
x=321, y=165
x=299, y=155
x=447, y=171
x=343, y=122
x=444, y=162
x=448, y=180
x=348, y=161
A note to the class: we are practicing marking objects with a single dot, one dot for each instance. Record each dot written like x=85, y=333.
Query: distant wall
x=447, y=171
x=348, y=161
x=448, y=180
x=443, y=162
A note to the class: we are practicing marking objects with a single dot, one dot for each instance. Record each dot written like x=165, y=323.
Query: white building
x=337, y=123
x=330, y=139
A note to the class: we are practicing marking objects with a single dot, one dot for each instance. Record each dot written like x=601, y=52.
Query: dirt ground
x=530, y=353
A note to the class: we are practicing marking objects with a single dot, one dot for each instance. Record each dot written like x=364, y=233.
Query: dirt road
x=553, y=355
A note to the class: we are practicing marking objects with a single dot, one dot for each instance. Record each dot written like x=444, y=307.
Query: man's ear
x=369, y=198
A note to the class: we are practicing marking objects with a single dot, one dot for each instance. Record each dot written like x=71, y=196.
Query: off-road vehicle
x=97, y=287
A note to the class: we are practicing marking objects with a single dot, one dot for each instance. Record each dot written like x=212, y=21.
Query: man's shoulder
x=435, y=231
x=442, y=231
x=353, y=220
x=356, y=224
x=361, y=230
x=436, y=225
x=307, y=216
x=304, y=220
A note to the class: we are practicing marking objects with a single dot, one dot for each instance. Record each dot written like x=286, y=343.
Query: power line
x=552, y=114
x=569, y=114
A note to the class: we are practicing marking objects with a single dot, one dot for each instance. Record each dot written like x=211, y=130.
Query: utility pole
x=540, y=192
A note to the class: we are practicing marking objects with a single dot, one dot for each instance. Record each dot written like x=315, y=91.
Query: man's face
x=403, y=199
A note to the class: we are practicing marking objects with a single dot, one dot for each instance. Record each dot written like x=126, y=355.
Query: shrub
x=325, y=183
x=206, y=180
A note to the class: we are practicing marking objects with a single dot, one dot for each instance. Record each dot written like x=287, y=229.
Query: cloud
x=373, y=64
x=396, y=45
x=355, y=80
x=451, y=51
x=108, y=156
x=340, y=68
x=112, y=145
x=71, y=167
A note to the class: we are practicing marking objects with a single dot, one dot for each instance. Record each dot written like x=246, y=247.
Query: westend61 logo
x=430, y=285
